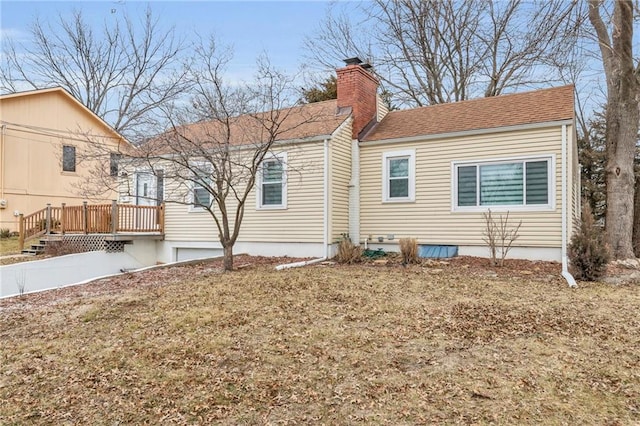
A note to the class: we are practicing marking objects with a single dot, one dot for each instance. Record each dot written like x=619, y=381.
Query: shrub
x=348, y=252
x=409, y=250
x=588, y=252
x=499, y=236
x=5, y=233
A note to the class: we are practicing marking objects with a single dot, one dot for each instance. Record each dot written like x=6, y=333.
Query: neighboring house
x=45, y=135
x=427, y=173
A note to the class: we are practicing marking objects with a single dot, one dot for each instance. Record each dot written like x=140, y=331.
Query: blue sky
x=250, y=27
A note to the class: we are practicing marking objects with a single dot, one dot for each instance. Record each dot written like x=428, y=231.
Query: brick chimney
x=357, y=89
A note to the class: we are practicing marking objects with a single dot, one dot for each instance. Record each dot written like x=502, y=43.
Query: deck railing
x=92, y=219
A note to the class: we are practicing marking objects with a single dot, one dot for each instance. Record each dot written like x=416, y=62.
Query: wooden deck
x=123, y=222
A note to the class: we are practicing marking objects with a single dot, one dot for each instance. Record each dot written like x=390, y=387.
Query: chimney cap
x=353, y=61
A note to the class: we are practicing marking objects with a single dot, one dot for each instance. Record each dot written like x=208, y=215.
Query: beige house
x=45, y=135
x=427, y=173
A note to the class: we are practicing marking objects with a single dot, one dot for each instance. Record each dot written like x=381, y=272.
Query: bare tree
x=215, y=148
x=622, y=120
x=121, y=73
x=436, y=51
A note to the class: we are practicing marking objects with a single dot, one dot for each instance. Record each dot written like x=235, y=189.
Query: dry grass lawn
x=323, y=345
x=9, y=246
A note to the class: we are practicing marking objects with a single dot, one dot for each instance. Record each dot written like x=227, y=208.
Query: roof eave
x=421, y=138
x=73, y=99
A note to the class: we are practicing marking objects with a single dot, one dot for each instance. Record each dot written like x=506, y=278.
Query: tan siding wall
x=574, y=181
x=339, y=175
x=430, y=218
x=382, y=108
x=302, y=221
x=32, y=164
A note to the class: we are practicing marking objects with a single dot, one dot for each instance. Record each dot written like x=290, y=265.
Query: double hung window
x=398, y=170
x=272, y=183
x=201, y=195
x=526, y=183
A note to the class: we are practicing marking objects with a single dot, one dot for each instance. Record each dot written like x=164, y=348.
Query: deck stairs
x=37, y=248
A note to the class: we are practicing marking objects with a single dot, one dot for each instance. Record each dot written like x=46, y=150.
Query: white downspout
x=325, y=218
x=565, y=270
x=354, y=194
x=326, y=199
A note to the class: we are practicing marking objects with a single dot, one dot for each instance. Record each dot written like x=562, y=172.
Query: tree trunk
x=228, y=258
x=620, y=137
x=622, y=122
x=636, y=218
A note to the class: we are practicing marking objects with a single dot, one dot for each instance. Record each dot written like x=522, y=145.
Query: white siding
x=382, y=108
x=301, y=221
x=339, y=177
x=573, y=184
x=430, y=218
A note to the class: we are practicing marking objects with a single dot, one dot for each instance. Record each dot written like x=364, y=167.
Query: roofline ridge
x=484, y=98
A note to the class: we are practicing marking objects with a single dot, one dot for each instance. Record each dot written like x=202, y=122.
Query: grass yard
x=9, y=246
x=445, y=343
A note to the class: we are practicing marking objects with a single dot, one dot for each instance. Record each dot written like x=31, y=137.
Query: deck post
x=114, y=216
x=161, y=221
x=84, y=217
x=63, y=218
x=47, y=225
x=21, y=237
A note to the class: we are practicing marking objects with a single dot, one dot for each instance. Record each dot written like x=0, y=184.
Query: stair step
x=30, y=251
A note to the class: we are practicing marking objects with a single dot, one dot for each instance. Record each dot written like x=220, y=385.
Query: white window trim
x=193, y=208
x=551, y=189
x=282, y=158
x=411, y=153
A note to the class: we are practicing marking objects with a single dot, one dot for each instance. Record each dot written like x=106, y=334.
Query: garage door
x=190, y=253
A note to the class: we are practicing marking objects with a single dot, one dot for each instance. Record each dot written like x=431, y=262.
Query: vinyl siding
x=301, y=221
x=340, y=176
x=574, y=183
x=430, y=217
x=37, y=126
x=382, y=108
